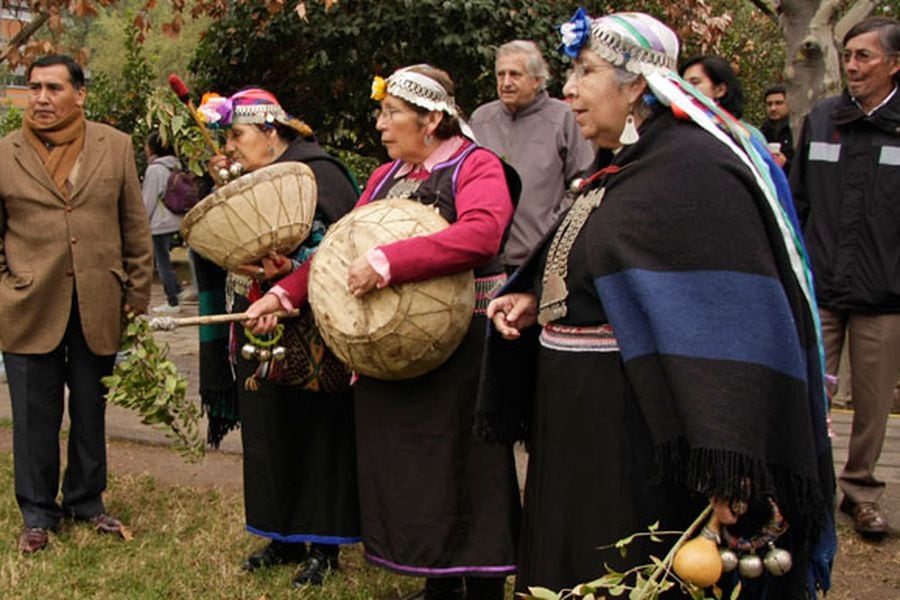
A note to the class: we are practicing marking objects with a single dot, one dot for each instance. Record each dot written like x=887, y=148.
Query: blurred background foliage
x=319, y=56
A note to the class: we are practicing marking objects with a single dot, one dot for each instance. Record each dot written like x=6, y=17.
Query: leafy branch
x=642, y=582
x=147, y=381
x=177, y=128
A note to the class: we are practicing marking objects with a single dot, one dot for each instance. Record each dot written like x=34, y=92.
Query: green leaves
x=146, y=381
x=165, y=112
x=325, y=77
x=540, y=593
x=641, y=582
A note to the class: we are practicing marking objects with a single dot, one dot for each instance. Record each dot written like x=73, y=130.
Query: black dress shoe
x=273, y=554
x=314, y=571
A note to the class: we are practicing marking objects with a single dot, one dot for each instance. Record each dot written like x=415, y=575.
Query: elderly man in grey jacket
x=538, y=136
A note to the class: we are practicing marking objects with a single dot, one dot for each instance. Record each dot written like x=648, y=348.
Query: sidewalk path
x=224, y=465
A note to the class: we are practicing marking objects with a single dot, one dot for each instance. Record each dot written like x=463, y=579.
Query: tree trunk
x=812, y=38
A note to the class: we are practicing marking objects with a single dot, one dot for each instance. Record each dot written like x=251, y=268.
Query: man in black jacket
x=845, y=179
x=777, y=126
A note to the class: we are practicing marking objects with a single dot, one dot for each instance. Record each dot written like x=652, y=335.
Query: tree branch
x=859, y=11
x=22, y=36
x=764, y=7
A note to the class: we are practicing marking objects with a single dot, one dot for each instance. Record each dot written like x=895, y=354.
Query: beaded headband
x=634, y=41
x=252, y=106
x=259, y=113
x=422, y=91
x=415, y=88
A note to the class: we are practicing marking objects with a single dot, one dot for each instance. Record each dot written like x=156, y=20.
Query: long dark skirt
x=589, y=475
x=436, y=500
x=299, y=462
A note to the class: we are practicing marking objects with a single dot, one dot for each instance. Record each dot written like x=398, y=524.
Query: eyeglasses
x=861, y=56
x=387, y=114
x=582, y=70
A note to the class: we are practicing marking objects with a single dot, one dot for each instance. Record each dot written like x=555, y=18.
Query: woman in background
x=716, y=80
x=161, y=161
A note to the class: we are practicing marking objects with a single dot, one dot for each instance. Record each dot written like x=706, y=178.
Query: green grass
x=188, y=543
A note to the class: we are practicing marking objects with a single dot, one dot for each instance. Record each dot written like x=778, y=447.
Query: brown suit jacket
x=97, y=243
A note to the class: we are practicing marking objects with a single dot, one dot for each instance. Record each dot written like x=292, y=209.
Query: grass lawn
x=188, y=543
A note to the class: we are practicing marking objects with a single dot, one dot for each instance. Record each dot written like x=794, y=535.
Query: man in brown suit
x=75, y=252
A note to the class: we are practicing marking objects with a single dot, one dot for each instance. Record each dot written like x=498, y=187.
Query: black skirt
x=436, y=500
x=299, y=462
x=590, y=480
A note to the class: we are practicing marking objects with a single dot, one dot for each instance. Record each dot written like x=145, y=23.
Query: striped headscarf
x=634, y=41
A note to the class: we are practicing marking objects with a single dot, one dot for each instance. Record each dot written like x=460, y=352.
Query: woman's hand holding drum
x=274, y=266
x=362, y=278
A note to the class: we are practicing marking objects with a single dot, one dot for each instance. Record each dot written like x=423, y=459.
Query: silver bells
x=729, y=560
x=750, y=566
x=233, y=171
x=777, y=561
x=263, y=353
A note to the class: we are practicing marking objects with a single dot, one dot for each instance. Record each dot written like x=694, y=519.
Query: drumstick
x=170, y=323
x=181, y=90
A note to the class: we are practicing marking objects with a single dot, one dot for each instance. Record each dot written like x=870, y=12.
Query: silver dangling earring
x=630, y=133
x=427, y=139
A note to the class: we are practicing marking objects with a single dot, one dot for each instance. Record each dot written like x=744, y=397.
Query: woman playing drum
x=298, y=446
x=436, y=500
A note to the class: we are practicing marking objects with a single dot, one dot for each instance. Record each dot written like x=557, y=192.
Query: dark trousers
x=162, y=245
x=36, y=388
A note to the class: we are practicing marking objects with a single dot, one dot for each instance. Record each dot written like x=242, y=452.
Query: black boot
x=485, y=588
x=444, y=588
x=323, y=559
x=275, y=553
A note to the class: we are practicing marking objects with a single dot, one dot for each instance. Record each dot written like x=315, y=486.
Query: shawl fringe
x=720, y=473
x=220, y=408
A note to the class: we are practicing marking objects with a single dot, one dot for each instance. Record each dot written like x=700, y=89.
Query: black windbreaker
x=846, y=185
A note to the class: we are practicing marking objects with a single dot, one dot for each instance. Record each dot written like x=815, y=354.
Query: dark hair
x=888, y=35
x=156, y=145
x=775, y=89
x=76, y=73
x=719, y=72
x=449, y=126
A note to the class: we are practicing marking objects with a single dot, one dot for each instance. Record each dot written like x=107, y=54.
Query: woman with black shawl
x=298, y=446
x=674, y=341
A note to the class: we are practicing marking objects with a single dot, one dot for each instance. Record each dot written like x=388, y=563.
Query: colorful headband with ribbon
x=250, y=106
x=634, y=41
